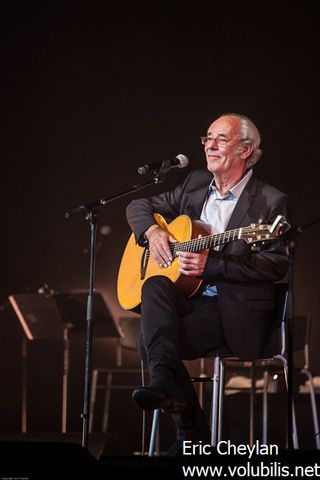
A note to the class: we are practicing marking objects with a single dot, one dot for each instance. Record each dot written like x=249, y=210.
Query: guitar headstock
x=259, y=232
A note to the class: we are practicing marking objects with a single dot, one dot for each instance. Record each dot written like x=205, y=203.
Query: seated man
x=234, y=309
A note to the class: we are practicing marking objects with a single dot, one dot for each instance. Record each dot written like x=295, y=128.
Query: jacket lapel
x=197, y=199
x=242, y=206
x=197, y=205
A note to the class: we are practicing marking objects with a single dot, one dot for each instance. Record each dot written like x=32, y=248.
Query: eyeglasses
x=220, y=140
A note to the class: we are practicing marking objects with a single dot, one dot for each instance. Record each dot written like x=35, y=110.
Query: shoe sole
x=148, y=400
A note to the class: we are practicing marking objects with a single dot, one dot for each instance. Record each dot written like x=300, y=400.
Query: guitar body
x=132, y=276
x=137, y=265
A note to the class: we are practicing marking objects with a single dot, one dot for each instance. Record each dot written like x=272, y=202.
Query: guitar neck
x=209, y=241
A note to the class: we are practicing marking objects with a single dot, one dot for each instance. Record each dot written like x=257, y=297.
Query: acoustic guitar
x=137, y=265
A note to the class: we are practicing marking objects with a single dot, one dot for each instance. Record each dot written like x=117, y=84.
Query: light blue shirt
x=217, y=210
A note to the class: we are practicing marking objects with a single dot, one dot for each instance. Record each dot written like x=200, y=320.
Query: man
x=234, y=311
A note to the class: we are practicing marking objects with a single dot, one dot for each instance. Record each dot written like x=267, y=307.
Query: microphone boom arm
x=93, y=206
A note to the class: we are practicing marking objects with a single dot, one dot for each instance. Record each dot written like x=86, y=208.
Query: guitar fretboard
x=208, y=241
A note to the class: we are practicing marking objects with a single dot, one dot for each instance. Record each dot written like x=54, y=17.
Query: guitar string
x=208, y=241
x=200, y=243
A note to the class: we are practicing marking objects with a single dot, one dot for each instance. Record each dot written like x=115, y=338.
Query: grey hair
x=249, y=134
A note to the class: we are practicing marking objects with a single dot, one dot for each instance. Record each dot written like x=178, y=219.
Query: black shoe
x=152, y=398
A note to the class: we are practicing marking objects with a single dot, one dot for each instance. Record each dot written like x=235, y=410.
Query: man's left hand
x=192, y=264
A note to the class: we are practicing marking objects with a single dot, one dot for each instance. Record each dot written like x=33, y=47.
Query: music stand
x=73, y=307
x=54, y=316
x=40, y=319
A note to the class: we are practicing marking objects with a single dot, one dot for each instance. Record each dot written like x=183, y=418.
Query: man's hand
x=159, y=245
x=192, y=264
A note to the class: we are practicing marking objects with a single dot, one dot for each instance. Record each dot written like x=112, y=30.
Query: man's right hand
x=159, y=245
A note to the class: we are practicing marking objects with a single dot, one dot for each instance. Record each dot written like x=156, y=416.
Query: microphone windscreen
x=183, y=160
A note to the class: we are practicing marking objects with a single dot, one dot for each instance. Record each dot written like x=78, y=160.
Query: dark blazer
x=244, y=277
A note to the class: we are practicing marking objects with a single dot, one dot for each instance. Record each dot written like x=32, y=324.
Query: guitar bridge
x=144, y=263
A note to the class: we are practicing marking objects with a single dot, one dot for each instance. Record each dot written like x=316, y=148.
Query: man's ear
x=245, y=150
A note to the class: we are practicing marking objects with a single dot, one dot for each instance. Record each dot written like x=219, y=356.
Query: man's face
x=223, y=149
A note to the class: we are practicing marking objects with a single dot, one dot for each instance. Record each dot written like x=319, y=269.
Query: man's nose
x=212, y=143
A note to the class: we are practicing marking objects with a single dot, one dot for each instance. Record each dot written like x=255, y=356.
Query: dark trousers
x=174, y=328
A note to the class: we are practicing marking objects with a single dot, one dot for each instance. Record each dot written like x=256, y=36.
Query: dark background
x=88, y=94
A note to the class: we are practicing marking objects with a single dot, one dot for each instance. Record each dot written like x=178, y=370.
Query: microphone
x=179, y=161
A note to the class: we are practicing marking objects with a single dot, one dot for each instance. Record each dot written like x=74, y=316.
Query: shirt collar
x=236, y=190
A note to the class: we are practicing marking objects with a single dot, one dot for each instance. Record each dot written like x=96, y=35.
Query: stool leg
x=143, y=430
x=155, y=425
x=265, y=407
x=313, y=407
x=201, y=384
x=252, y=404
x=294, y=422
x=221, y=398
x=215, y=403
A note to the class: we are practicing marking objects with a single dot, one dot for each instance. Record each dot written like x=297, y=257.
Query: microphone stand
x=91, y=212
x=288, y=239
